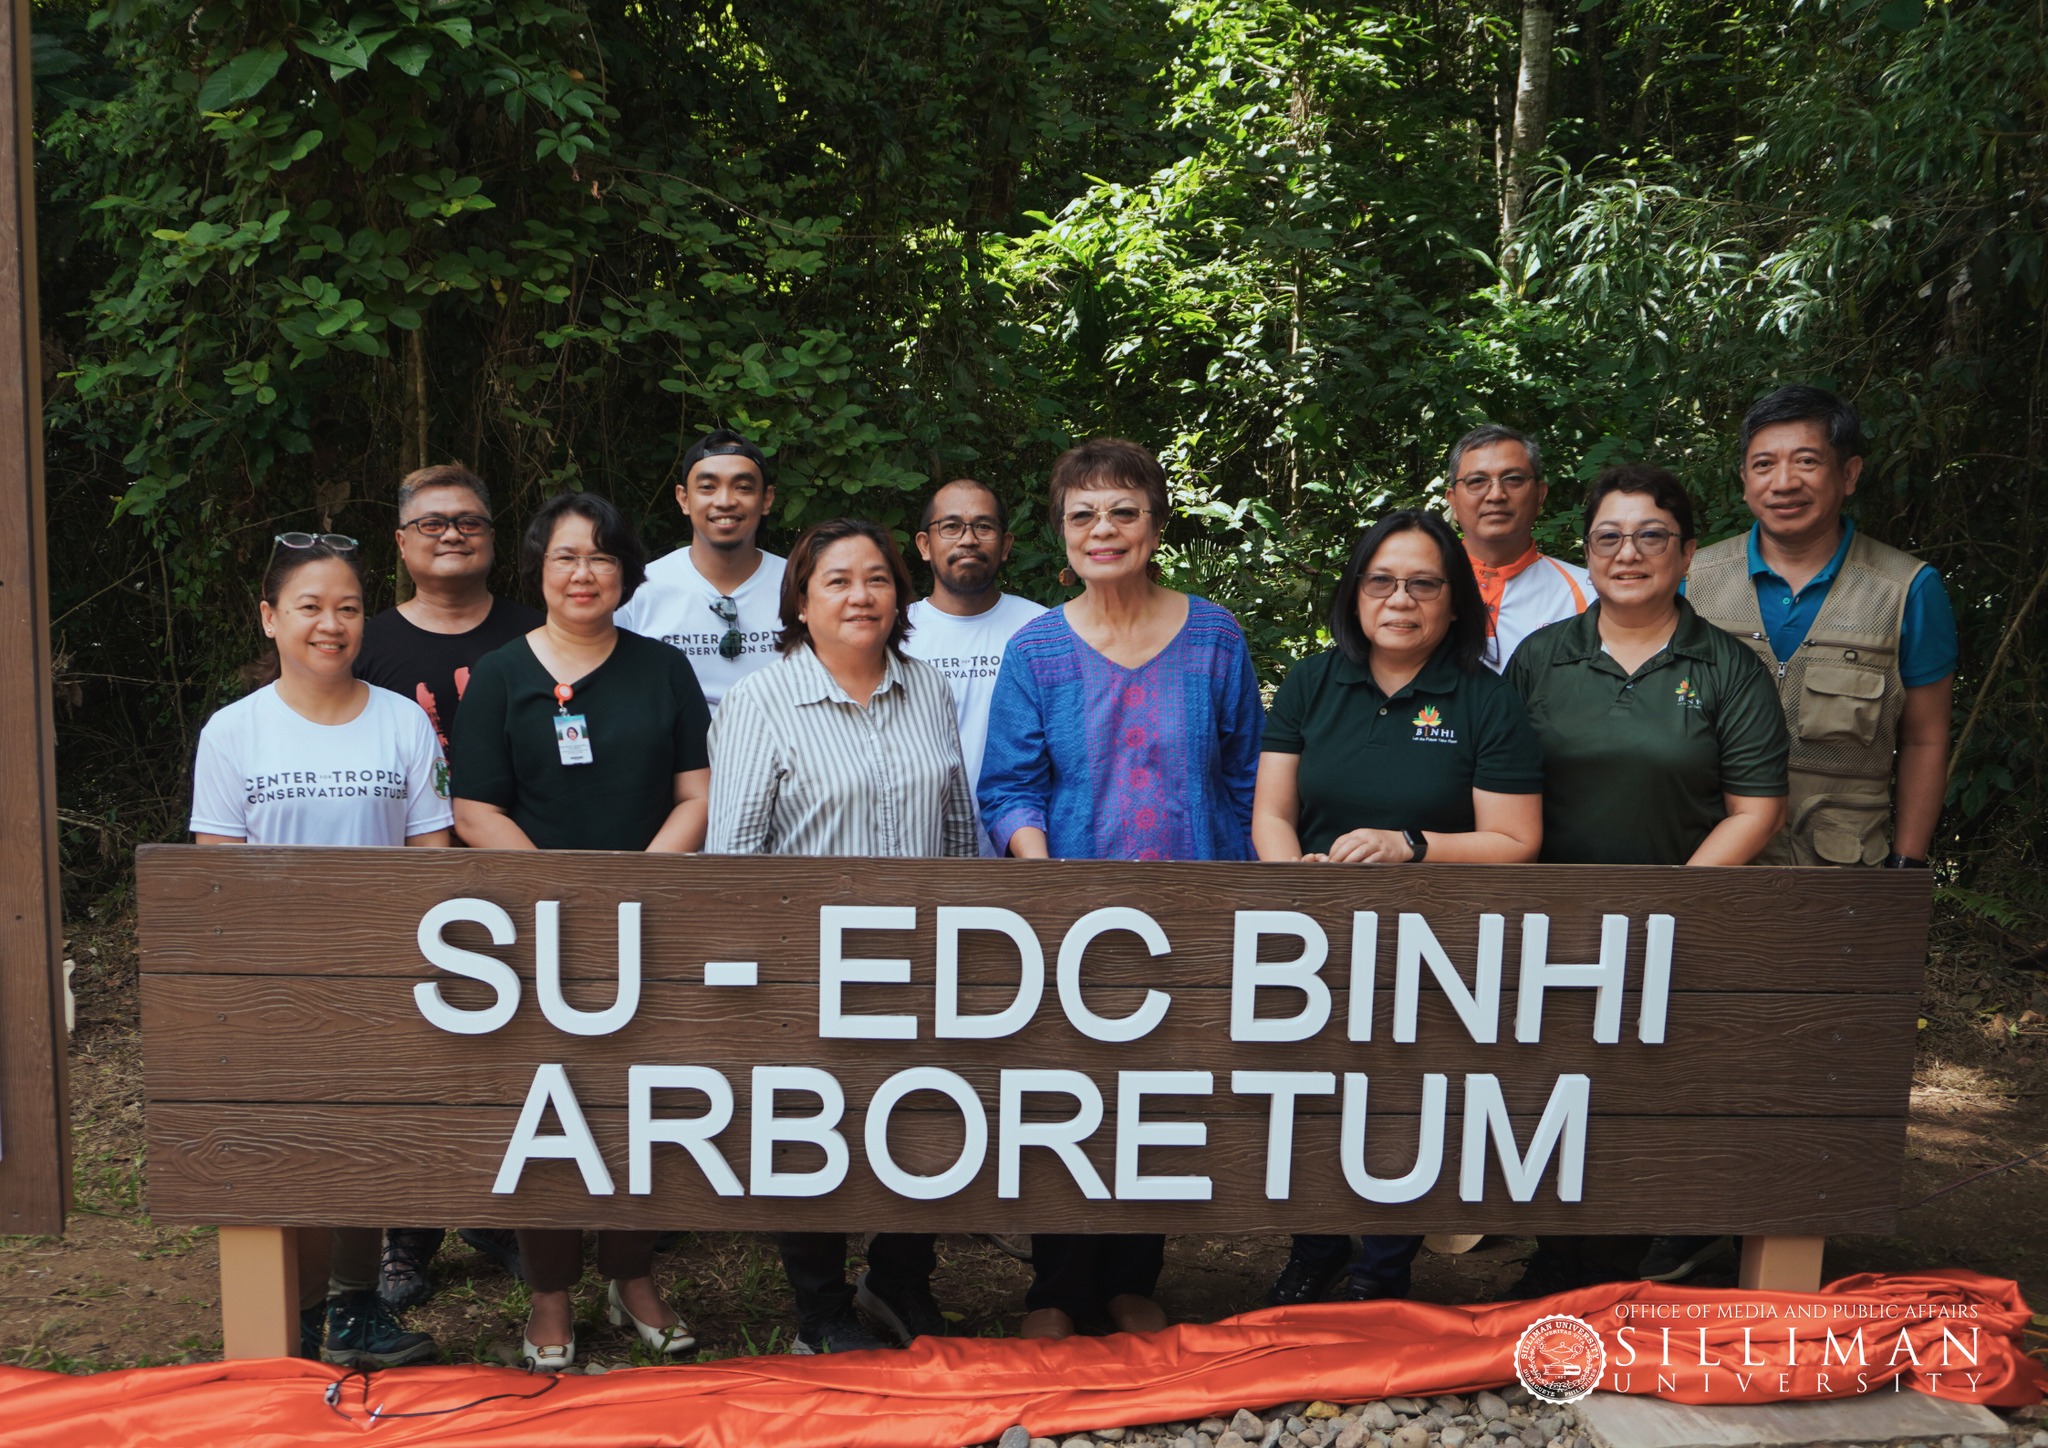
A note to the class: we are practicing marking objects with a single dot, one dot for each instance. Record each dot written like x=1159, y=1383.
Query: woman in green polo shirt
x=1396, y=746
x=1663, y=744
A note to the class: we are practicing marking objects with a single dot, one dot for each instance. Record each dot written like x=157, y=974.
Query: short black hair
x=1466, y=641
x=931, y=503
x=1801, y=403
x=1647, y=478
x=1486, y=435
x=802, y=565
x=608, y=529
x=719, y=443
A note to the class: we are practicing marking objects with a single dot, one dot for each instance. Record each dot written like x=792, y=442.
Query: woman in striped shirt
x=845, y=746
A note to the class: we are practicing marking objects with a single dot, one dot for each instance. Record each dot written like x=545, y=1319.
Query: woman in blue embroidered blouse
x=1125, y=726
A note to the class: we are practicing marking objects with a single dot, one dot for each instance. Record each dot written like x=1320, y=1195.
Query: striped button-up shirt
x=798, y=768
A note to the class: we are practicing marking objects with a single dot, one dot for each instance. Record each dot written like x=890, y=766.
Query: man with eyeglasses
x=1859, y=636
x=1497, y=492
x=718, y=598
x=425, y=647
x=961, y=629
x=424, y=650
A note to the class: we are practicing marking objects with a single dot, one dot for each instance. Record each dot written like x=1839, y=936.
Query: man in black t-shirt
x=425, y=647
x=424, y=650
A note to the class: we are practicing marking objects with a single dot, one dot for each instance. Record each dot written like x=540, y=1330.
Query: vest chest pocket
x=1840, y=704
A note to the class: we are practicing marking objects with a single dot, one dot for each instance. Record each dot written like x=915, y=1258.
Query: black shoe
x=1302, y=1281
x=1673, y=1259
x=1353, y=1290
x=362, y=1333
x=1544, y=1273
x=312, y=1328
x=407, y=1250
x=908, y=1310
x=497, y=1244
x=841, y=1332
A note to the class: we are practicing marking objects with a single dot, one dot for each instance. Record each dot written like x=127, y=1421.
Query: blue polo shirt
x=1927, y=644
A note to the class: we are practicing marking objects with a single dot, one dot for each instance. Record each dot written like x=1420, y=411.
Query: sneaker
x=909, y=1310
x=1370, y=1290
x=312, y=1327
x=407, y=1250
x=362, y=1333
x=1673, y=1259
x=1302, y=1280
x=497, y=1244
x=841, y=1332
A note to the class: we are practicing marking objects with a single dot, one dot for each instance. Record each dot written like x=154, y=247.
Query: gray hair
x=441, y=475
x=1486, y=435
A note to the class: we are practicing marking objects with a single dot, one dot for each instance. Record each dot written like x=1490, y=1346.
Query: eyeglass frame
x=485, y=524
x=1658, y=530
x=1513, y=483
x=601, y=565
x=1397, y=584
x=727, y=609
x=339, y=542
x=1096, y=515
x=986, y=528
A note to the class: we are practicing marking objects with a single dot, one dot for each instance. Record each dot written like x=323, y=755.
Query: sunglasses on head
x=339, y=542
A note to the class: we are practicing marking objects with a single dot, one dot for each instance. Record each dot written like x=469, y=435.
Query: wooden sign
x=624, y=1040
x=34, y=1135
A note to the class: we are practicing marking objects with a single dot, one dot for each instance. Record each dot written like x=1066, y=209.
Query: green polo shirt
x=1409, y=762
x=1634, y=765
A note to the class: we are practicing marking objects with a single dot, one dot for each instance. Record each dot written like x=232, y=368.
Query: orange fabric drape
x=943, y=1393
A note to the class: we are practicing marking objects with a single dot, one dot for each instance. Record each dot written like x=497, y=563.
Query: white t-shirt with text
x=968, y=651
x=674, y=605
x=271, y=776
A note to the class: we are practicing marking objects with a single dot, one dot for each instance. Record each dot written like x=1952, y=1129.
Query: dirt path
x=118, y=1290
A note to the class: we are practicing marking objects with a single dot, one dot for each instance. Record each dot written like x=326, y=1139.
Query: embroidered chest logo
x=1430, y=727
x=1688, y=696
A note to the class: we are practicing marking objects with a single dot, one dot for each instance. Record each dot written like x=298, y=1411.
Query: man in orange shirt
x=1495, y=480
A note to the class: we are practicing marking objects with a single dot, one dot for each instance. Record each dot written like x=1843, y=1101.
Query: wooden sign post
x=34, y=1132
x=565, y=1039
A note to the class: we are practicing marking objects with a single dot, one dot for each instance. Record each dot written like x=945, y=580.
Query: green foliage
x=293, y=250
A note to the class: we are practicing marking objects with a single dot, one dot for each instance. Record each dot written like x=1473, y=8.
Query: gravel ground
x=1508, y=1419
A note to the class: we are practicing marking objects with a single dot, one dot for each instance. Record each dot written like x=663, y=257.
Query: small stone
x=1309, y=1438
x=1233, y=1439
x=1452, y=1437
x=1451, y=1404
x=1043, y=1443
x=2039, y=1440
x=1211, y=1426
x=1321, y=1409
x=1534, y=1438
x=1490, y=1405
x=1410, y=1435
x=1378, y=1440
x=1109, y=1435
x=1514, y=1393
x=1501, y=1428
x=1380, y=1416
x=1550, y=1426
x=596, y=1368
x=1015, y=1436
x=1580, y=1440
x=1296, y=1422
x=1248, y=1426
x=1352, y=1435
x=1971, y=1440
x=1078, y=1442
x=1407, y=1406
x=1274, y=1430
x=1286, y=1440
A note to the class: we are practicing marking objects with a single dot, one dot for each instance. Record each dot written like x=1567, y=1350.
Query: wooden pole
x=35, y=1184
x=259, y=1291
x=1782, y=1264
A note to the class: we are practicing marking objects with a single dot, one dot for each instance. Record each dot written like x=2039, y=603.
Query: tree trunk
x=1532, y=109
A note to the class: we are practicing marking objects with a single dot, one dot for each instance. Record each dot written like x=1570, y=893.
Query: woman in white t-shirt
x=320, y=758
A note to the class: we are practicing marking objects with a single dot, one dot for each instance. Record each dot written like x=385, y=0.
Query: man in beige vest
x=1859, y=635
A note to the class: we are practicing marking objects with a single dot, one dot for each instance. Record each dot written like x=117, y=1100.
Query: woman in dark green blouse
x=584, y=736
x=1394, y=747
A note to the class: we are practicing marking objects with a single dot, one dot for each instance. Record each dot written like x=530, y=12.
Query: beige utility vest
x=1841, y=690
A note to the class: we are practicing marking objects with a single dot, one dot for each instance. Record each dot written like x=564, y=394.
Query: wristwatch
x=1418, y=844
x=1903, y=862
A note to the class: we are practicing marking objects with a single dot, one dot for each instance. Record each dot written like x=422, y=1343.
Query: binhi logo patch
x=1688, y=697
x=1430, y=727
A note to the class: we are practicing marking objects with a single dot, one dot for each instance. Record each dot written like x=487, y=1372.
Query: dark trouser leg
x=622, y=1256
x=816, y=1264
x=353, y=1260
x=1385, y=1262
x=902, y=1258
x=1078, y=1274
x=1321, y=1250
x=551, y=1257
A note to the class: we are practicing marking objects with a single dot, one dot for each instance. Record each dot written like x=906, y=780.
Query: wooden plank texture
x=357, y=1165
x=292, y=1079
x=34, y=1129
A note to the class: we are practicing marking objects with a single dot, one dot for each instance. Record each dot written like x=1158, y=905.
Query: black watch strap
x=1904, y=862
x=1418, y=844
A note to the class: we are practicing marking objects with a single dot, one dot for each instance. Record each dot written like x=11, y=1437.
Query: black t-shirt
x=432, y=669
x=645, y=720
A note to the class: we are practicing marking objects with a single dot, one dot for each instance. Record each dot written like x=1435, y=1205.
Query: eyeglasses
x=433, y=525
x=1421, y=588
x=728, y=610
x=339, y=542
x=1650, y=542
x=1478, y=485
x=952, y=530
x=601, y=565
x=1082, y=520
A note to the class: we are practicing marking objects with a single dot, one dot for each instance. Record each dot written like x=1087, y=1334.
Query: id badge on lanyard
x=572, y=731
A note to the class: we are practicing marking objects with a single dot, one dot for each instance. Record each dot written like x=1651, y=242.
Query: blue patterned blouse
x=1151, y=763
